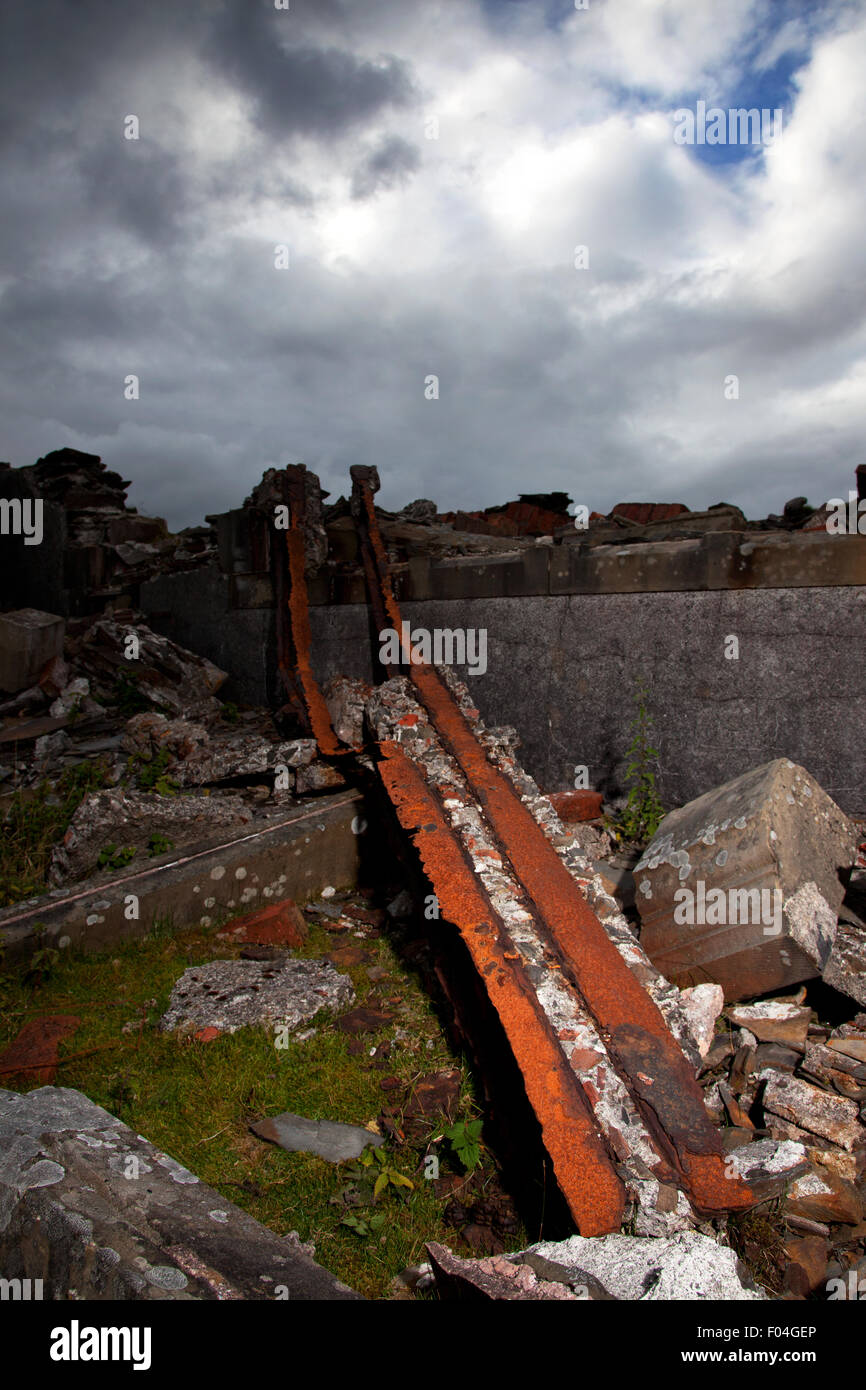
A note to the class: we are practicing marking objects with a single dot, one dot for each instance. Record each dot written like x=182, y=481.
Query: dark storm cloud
x=138, y=186
x=390, y=164
x=298, y=88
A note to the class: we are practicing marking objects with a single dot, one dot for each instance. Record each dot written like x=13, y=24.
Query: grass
x=195, y=1100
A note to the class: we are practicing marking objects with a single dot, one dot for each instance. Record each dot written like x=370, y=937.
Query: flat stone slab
x=742, y=886
x=232, y=994
x=687, y=1265
x=327, y=1138
x=819, y=1112
x=98, y=1212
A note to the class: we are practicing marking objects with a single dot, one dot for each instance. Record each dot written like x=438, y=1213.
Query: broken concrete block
x=29, y=639
x=330, y=1140
x=846, y=968
x=818, y=1112
x=742, y=886
x=687, y=1265
x=130, y=819
x=232, y=994
x=97, y=1212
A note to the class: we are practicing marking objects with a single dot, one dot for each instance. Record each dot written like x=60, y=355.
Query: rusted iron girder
x=595, y=1195
x=644, y=1051
x=293, y=621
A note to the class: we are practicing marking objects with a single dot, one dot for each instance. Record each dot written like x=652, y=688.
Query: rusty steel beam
x=583, y=1167
x=293, y=622
x=644, y=1051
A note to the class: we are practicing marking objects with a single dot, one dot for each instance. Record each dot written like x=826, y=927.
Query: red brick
x=576, y=806
x=279, y=924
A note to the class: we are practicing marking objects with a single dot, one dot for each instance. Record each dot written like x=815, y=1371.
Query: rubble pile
x=110, y=548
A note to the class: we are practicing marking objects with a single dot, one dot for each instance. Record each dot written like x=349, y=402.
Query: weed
x=230, y=712
x=43, y=960
x=371, y=1227
x=129, y=698
x=113, y=858
x=152, y=773
x=158, y=844
x=644, y=810
x=465, y=1139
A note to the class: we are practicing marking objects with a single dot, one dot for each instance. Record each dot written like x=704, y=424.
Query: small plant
x=230, y=712
x=153, y=773
x=113, y=858
x=465, y=1139
x=158, y=844
x=128, y=697
x=643, y=810
x=386, y=1176
x=44, y=958
x=363, y=1228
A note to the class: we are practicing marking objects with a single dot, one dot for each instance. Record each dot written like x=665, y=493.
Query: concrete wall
x=562, y=669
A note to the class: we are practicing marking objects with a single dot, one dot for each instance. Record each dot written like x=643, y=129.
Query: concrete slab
x=98, y=1212
x=304, y=849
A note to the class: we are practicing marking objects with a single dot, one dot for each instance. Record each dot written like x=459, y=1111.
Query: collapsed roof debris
x=659, y=1106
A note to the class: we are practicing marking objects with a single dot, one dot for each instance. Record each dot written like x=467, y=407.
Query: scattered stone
x=849, y=1047
x=174, y=679
x=703, y=1004
x=846, y=968
x=776, y=1057
x=232, y=994
x=493, y=1278
x=818, y=1112
x=34, y=1054
x=775, y=1020
x=330, y=1140
x=806, y=1264
x=742, y=886
x=823, y=1196
x=769, y=1165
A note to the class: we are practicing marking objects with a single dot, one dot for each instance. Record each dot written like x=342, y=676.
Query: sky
x=332, y=203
